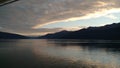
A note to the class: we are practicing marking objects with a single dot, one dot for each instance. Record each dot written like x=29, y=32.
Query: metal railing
x=5, y=2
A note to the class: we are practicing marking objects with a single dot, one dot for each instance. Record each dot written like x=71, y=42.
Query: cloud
x=96, y=14
x=32, y=32
x=73, y=28
x=0, y=27
x=111, y=16
x=29, y=16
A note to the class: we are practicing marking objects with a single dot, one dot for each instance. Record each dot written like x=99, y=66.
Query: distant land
x=5, y=35
x=107, y=32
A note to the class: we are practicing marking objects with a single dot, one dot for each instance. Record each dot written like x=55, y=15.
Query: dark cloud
x=24, y=15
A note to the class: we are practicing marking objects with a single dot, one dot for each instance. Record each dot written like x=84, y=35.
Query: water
x=59, y=53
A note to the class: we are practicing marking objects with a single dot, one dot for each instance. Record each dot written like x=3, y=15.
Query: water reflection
x=35, y=53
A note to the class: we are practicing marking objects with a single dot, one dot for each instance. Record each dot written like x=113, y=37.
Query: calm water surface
x=37, y=53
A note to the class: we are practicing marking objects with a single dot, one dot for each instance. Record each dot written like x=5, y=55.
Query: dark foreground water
x=59, y=54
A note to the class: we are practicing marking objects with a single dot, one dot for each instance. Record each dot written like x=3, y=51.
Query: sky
x=39, y=17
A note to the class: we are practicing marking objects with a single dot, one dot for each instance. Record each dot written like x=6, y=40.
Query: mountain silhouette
x=5, y=35
x=110, y=32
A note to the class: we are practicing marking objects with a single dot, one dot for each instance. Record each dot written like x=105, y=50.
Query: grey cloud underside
x=21, y=16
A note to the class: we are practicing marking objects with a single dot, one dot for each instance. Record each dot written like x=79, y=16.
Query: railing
x=5, y=2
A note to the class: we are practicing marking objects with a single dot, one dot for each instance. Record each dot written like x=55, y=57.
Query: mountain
x=110, y=32
x=5, y=35
x=55, y=35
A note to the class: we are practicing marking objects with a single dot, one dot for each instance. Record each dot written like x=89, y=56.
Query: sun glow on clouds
x=102, y=4
x=96, y=14
x=35, y=34
x=73, y=28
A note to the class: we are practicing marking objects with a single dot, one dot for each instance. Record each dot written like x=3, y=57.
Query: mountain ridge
x=6, y=35
x=110, y=32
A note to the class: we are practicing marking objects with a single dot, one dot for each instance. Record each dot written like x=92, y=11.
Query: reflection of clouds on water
x=71, y=51
x=76, y=52
x=34, y=51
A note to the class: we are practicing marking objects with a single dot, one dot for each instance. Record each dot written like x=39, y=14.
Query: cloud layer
x=29, y=16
